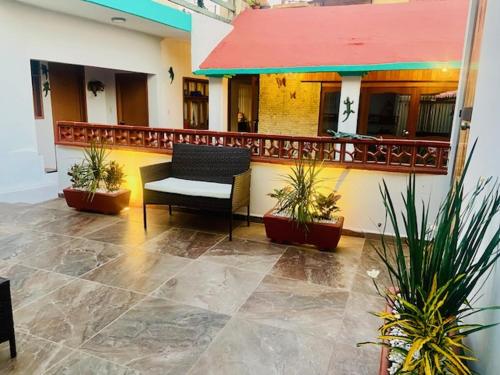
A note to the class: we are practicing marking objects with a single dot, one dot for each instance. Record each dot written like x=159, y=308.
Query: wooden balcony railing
x=393, y=155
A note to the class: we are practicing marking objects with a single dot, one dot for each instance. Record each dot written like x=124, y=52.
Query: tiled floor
x=96, y=294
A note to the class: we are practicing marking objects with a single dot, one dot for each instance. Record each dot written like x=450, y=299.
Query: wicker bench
x=6, y=320
x=201, y=177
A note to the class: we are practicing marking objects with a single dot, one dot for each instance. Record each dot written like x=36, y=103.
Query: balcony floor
x=96, y=294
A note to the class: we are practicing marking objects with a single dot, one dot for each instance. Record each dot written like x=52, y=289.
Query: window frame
x=415, y=93
x=326, y=88
x=36, y=90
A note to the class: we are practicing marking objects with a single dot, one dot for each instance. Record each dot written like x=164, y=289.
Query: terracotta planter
x=324, y=236
x=104, y=203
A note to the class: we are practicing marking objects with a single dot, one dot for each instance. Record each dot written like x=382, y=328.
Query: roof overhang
x=145, y=16
x=346, y=39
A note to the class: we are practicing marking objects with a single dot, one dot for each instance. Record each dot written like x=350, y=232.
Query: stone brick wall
x=289, y=107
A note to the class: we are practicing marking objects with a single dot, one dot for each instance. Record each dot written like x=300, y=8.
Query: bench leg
x=170, y=210
x=248, y=215
x=13, y=351
x=144, y=216
x=230, y=226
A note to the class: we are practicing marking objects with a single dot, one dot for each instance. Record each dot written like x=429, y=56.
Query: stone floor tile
x=250, y=255
x=78, y=224
x=126, y=233
x=296, y=305
x=34, y=355
x=212, y=286
x=359, y=324
x=353, y=360
x=183, y=242
x=79, y=363
x=255, y=232
x=29, y=244
x=74, y=313
x=138, y=271
x=28, y=284
x=76, y=257
x=247, y=348
x=157, y=337
x=323, y=268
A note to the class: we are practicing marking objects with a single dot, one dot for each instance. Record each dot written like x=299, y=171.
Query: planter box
x=104, y=203
x=324, y=236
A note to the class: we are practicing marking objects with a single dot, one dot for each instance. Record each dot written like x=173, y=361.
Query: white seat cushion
x=191, y=188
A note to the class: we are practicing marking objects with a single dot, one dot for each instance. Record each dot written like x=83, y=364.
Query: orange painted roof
x=415, y=35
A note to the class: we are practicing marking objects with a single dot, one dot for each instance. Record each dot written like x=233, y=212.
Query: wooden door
x=132, y=99
x=67, y=93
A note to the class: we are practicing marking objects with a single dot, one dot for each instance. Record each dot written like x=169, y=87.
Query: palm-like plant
x=436, y=270
x=95, y=162
x=296, y=200
x=453, y=250
x=94, y=172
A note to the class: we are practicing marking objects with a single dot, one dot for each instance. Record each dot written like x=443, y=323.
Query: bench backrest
x=209, y=163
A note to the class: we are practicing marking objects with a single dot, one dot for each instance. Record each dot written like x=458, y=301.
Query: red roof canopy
x=415, y=35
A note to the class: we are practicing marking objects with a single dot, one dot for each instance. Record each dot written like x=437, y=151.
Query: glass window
x=388, y=114
x=435, y=115
x=330, y=111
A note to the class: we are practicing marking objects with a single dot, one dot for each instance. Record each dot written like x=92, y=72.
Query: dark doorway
x=132, y=99
x=243, y=103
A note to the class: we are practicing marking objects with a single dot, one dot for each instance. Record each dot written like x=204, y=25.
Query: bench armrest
x=155, y=172
x=240, y=194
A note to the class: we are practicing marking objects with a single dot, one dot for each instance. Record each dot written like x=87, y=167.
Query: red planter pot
x=104, y=203
x=324, y=236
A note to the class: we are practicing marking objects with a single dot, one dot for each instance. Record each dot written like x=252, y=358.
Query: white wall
x=361, y=203
x=175, y=54
x=485, y=126
x=101, y=108
x=31, y=33
x=206, y=33
x=218, y=104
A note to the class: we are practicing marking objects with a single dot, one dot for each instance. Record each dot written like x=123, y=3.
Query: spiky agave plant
x=95, y=166
x=437, y=271
x=454, y=249
x=297, y=199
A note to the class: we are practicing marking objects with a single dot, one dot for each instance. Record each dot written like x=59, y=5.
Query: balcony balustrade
x=392, y=155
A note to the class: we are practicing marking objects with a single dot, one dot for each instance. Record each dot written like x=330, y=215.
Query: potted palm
x=96, y=183
x=435, y=271
x=302, y=214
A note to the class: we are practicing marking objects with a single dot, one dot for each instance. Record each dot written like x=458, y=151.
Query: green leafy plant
x=114, y=176
x=255, y=3
x=94, y=172
x=95, y=166
x=326, y=205
x=299, y=200
x=423, y=341
x=453, y=246
x=77, y=174
x=438, y=270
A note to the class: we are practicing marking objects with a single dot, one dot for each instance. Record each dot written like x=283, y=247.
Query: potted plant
x=96, y=183
x=254, y=4
x=434, y=272
x=302, y=214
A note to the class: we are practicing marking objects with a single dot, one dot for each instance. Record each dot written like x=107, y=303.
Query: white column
x=349, y=101
x=217, y=103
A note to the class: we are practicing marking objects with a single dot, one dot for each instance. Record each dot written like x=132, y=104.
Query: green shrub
x=114, y=176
